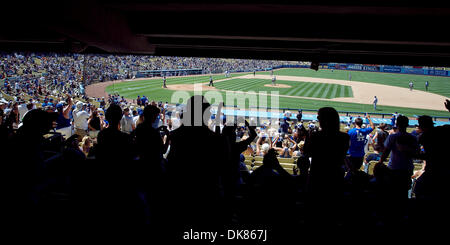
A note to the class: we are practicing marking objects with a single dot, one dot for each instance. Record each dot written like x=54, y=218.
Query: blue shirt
x=393, y=121
x=62, y=122
x=284, y=127
x=358, y=141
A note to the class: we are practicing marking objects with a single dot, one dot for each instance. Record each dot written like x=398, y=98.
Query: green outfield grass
x=438, y=85
x=305, y=89
x=154, y=91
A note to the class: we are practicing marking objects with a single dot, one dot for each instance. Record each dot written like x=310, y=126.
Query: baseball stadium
x=227, y=122
x=303, y=88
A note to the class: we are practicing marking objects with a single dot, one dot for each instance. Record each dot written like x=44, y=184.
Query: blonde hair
x=301, y=145
x=84, y=141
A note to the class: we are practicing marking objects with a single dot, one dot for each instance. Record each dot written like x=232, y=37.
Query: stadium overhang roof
x=368, y=32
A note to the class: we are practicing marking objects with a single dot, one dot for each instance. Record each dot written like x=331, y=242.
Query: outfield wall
x=389, y=69
x=415, y=70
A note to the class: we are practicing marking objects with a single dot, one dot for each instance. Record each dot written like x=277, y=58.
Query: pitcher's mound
x=189, y=87
x=277, y=86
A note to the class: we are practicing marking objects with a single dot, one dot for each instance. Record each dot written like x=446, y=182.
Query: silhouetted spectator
x=271, y=185
x=403, y=147
x=149, y=144
x=109, y=192
x=433, y=183
x=327, y=149
x=232, y=170
x=194, y=166
x=24, y=170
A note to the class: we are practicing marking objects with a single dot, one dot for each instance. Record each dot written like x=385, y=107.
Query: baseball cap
x=79, y=104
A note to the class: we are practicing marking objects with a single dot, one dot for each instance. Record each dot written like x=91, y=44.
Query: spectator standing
x=299, y=115
x=194, y=178
x=380, y=136
x=327, y=149
x=402, y=147
x=284, y=126
x=434, y=182
x=126, y=123
x=63, y=122
x=138, y=100
x=358, y=138
x=95, y=124
x=81, y=123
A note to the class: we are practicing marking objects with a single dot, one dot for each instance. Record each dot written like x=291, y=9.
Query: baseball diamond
x=304, y=88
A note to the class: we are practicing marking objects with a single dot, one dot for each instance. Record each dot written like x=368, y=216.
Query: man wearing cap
x=81, y=118
x=78, y=107
x=126, y=123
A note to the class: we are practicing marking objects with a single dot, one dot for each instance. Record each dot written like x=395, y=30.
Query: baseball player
x=211, y=83
x=164, y=82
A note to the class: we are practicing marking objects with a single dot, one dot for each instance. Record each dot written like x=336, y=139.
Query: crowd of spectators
x=69, y=161
x=126, y=165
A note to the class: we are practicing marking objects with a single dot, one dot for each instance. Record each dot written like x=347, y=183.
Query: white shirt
x=74, y=114
x=22, y=110
x=176, y=123
x=135, y=119
x=81, y=120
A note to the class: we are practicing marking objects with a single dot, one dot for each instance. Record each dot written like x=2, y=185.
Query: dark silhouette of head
x=329, y=119
x=425, y=122
x=402, y=122
x=197, y=111
x=39, y=121
x=113, y=114
x=151, y=112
